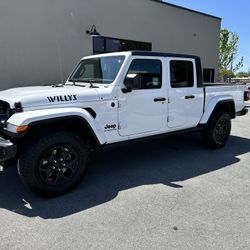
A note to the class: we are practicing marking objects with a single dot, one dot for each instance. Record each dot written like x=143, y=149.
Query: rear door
x=185, y=98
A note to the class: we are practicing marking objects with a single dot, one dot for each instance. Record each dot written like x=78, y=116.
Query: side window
x=182, y=74
x=146, y=74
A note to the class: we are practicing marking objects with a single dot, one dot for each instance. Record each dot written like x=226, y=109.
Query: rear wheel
x=53, y=163
x=217, y=131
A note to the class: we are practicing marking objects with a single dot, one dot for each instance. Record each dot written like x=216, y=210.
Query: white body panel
x=29, y=117
x=123, y=116
x=138, y=113
x=216, y=94
x=235, y=91
x=184, y=113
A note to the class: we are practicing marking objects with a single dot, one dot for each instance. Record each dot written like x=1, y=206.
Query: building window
x=98, y=45
x=208, y=75
x=147, y=74
x=107, y=44
x=182, y=74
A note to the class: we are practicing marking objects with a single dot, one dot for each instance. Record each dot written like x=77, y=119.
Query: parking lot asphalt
x=170, y=193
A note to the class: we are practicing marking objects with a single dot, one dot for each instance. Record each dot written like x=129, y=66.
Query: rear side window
x=182, y=74
x=147, y=72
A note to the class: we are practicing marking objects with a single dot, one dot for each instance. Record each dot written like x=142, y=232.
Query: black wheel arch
x=74, y=124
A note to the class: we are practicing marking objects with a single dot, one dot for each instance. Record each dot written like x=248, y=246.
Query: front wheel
x=217, y=131
x=53, y=163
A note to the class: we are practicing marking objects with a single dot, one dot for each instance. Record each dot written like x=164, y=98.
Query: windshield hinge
x=119, y=126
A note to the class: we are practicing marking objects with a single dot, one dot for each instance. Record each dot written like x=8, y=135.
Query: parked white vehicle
x=109, y=98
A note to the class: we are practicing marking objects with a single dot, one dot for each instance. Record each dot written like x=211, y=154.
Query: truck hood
x=31, y=97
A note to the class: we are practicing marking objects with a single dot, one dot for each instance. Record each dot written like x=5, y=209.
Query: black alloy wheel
x=53, y=162
x=216, y=133
x=221, y=130
x=58, y=165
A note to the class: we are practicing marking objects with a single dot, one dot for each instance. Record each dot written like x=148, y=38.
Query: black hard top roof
x=160, y=54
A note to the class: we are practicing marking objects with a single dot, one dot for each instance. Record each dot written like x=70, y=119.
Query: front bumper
x=8, y=150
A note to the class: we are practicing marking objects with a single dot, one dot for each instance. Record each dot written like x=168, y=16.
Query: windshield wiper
x=91, y=81
x=86, y=80
x=76, y=81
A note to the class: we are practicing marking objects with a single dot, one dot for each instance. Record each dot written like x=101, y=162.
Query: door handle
x=160, y=99
x=189, y=97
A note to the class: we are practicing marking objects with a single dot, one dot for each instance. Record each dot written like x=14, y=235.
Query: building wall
x=41, y=41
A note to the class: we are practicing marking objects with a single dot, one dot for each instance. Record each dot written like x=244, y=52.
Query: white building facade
x=41, y=41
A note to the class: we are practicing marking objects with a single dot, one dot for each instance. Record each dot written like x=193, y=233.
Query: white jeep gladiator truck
x=109, y=98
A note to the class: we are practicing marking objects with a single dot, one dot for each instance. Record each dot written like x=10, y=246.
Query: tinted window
x=182, y=74
x=99, y=45
x=147, y=74
x=208, y=75
x=112, y=45
x=106, y=44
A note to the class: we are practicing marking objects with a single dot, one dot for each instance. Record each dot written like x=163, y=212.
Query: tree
x=243, y=74
x=228, y=54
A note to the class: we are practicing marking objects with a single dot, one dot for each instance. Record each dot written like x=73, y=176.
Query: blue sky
x=235, y=17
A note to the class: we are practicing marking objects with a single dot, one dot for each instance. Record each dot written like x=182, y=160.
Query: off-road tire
x=216, y=133
x=37, y=176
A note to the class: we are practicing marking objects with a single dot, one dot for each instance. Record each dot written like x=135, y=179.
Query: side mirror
x=129, y=83
x=132, y=81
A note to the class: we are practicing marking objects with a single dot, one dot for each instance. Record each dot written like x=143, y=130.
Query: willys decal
x=64, y=98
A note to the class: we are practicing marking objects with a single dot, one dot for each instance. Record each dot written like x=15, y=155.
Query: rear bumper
x=8, y=150
x=242, y=112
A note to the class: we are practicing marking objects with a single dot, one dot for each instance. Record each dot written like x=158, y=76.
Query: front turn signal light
x=20, y=129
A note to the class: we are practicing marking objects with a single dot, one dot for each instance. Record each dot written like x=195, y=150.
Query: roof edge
x=184, y=8
x=160, y=54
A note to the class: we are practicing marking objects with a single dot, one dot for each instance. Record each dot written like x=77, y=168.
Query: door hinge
x=168, y=99
x=119, y=105
x=168, y=119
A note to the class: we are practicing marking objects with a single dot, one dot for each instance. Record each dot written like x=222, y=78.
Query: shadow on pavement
x=117, y=168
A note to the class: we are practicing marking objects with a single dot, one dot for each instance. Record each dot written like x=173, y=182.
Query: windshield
x=97, y=70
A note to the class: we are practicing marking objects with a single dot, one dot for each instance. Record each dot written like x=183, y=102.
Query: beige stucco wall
x=40, y=41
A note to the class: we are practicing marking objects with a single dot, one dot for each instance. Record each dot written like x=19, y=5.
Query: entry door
x=185, y=98
x=143, y=110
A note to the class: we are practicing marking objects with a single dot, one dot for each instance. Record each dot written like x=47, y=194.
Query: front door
x=144, y=109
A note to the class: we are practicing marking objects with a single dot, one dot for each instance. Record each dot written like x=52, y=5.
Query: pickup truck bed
x=227, y=90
